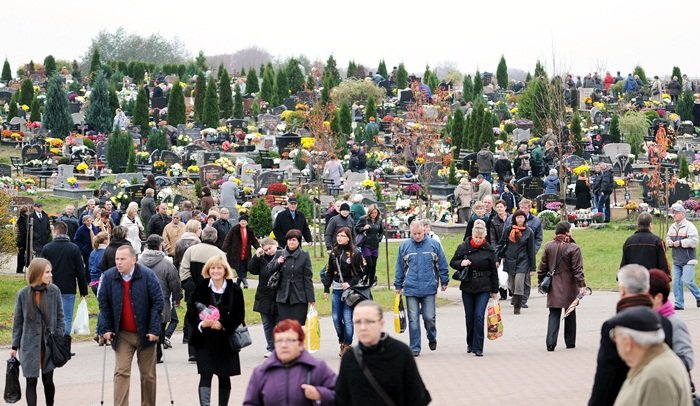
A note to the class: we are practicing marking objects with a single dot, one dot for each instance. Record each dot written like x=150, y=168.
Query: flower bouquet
x=368, y=184
x=175, y=170
x=193, y=169
x=81, y=167
x=73, y=182
x=184, y=139
x=553, y=206
x=159, y=166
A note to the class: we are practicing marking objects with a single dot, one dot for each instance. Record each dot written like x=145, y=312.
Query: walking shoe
x=550, y=348
x=160, y=361
x=524, y=306
x=166, y=343
x=416, y=354
x=267, y=354
x=192, y=358
x=432, y=345
x=697, y=303
x=678, y=308
x=570, y=346
x=479, y=354
x=469, y=350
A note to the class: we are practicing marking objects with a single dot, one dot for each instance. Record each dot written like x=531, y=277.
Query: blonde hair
x=100, y=238
x=268, y=241
x=36, y=271
x=479, y=205
x=193, y=226
x=218, y=260
x=132, y=209
x=372, y=207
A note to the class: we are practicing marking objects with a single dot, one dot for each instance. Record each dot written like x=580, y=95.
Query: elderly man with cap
x=336, y=223
x=291, y=219
x=682, y=238
x=154, y=258
x=656, y=376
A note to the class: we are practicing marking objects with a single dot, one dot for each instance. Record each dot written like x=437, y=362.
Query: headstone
x=203, y=144
x=470, y=165
x=78, y=119
x=308, y=98
x=6, y=94
x=30, y=152
x=248, y=106
x=288, y=141
x=530, y=187
x=584, y=92
x=267, y=178
x=290, y=103
x=135, y=193
x=286, y=164
x=429, y=171
x=278, y=110
x=210, y=173
x=544, y=199
x=615, y=149
x=64, y=172
x=622, y=164
x=5, y=170
x=17, y=123
x=129, y=177
x=190, y=151
x=238, y=124
x=155, y=156
x=159, y=102
x=596, y=159
x=573, y=161
x=268, y=123
x=687, y=128
x=521, y=135
x=680, y=192
x=169, y=157
x=352, y=179
x=249, y=173
x=210, y=157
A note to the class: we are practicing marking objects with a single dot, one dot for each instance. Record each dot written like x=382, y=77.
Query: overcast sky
x=585, y=35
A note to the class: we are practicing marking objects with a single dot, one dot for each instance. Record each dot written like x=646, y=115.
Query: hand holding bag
x=13, y=390
x=81, y=324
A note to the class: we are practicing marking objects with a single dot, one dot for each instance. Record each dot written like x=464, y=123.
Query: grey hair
x=552, y=172
x=479, y=229
x=416, y=223
x=634, y=278
x=372, y=305
x=209, y=235
x=645, y=338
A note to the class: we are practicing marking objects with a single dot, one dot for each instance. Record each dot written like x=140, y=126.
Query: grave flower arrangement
x=401, y=170
x=121, y=198
x=193, y=169
x=159, y=165
x=142, y=156
x=441, y=211
x=631, y=206
x=184, y=139
x=367, y=184
x=17, y=136
x=123, y=183
x=55, y=151
x=73, y=182
x=209, y=132
x=34, y=163
x=597, y=217
x=6, y=134
x=691, y=205
x=553, y=206
x=277, y=189
x=549, y=218
x=55, y=142
x=81, y=167
x=581, y=169
x=175, y=170
x=226, y=164
x=412, y=190
x=256, y=138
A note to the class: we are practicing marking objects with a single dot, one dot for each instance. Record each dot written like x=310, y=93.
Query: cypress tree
x=256, y=109
x=50, y=65
x=211, y=105
x=487, y=131
x=95, y=63
x=478, y=85
x=326, y=91
x=262, y=70
x=684, y=105
x=31, y=67
x=351, y=69
x=119, y=147
x=528, y=78
x=382, y=69
x=427, y=74
x=683, y=165
x=502, y=73
x=113, y=99
x=141, y=113
x=281, y=87
x=639, y=71
x=331, y=71
x=370, y=109
x=614, y=128
x=260, y=215
x=266, y=89
x=539, y=70
x=138, y=73
x=158, y=141
x=677, y=73
x=131, y=161
x=251, y=82
x=75, y=71
x=242, y=72
x=99, y=115
x=468, y=88
x=35, y=109
x=199, y=92
x=225, y=97
x=295, y=78
x=457, y=132
x=401, y=77
x=237, y=103
x=13, y=110
x=6, y=72
x=310, y=83
x=433, y=82
x=576, y=126
x=176, y=105
x=345, y=119
x=220, y=71
x=26, y=93
x=57, y=118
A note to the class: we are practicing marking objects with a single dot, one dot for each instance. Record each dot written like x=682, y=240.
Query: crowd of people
x=141, y=273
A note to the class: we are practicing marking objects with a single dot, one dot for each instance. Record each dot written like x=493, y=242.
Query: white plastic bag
x=81, y=322
x=502, y=277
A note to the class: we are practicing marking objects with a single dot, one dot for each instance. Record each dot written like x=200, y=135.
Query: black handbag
x=58, y=345
x=274, y=280
x=13, y=390
x=354, y=294
x=546, y=282
x=462, y=275
x=240, y=338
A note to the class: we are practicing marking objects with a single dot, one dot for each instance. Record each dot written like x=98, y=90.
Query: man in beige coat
x=464, y=192
x=172, y=233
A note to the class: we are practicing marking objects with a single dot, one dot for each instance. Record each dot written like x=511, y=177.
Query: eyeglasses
x=364, y=322
x=286, y=341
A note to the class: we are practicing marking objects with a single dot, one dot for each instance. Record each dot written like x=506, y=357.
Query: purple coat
x=274, y=384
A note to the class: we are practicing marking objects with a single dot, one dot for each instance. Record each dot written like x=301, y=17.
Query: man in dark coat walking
x=41, y=230
x=291, y=219
x=222, y=226
x=159, y=220
x=67, y=263
x=644, y=247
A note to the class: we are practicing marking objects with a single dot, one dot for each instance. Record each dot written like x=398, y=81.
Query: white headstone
x=248, y=173
x=64, y=172
x=615, y=149
x=352, y=179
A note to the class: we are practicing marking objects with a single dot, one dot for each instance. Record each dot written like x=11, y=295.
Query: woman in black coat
x=265, y=296
x=237, y=253
x=478, y=256
x=373, y=229
x=517, y=250
x=583, y=192
x=210, y=338
x=22, y=233
x=295, y=290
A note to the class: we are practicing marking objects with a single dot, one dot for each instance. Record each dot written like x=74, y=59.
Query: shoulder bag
x=546, y=283
x=370, y=378
x=240, y=338
x=354, y=294
x=58, y=345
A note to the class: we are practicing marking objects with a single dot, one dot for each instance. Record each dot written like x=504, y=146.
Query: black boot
x=517, y=301
x=204, y=395
x=224, y=394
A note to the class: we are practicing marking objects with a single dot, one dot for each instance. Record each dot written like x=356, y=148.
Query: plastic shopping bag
x=13, y=391
x=502, y=277
x=312, y=341
x=494, y=322
x=399, y=314
x=81, y=324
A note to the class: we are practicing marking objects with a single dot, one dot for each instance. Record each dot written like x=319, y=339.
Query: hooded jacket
x=187, y=240
x=167, y=277
x=551, y=184
x=485, y=161
x=464, y=192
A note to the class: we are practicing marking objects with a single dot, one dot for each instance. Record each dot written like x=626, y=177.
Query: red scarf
x=516, y=233
x=475, y=245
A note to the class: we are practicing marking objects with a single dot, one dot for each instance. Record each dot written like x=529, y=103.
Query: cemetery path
x=513, y=367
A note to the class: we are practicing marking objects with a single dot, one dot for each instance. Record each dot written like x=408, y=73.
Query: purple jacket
x=274, y=384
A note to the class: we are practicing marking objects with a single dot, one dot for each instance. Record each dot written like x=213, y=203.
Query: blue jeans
x=342, y=318
x=474, y=311
x=68, y=305
x=603, y=205
x=424, y=306
x=269, y=321
x=486, y=175
x=684, y=275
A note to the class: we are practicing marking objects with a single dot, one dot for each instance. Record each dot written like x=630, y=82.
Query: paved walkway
x=515, y=368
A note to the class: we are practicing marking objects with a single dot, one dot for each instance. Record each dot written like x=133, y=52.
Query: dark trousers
x=371, y=268
x=21, y=259
x=269, y=320
x=161, y=340
x=474, y=311
x=528, y=286
x=553, y=328
x=242, y=273
x=49, y=389
x=292, y=311
x=174, y=320
x=188, y=285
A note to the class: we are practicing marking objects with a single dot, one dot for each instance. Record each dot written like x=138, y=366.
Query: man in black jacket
x=644, y=247
x=41, y=230
x=71, y=221
x=222, y=226
x=159, y=220
x=291, y=219
x=67, y=264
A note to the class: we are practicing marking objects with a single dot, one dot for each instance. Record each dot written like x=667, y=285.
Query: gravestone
x=615, y=149
x=210, y=173
x=584, y=92
x=30, y=152
x=352, y=179
x=210, y=157
x=248, y=106
x=680, y=192
x=687, y=128
x=267, y=178
x=308, y=98
x=596, y=159
x=249, y=173
x=521, y=135
x=622, y=164
x=278, y=110
x=155, y=156
x=290, y=103
x=268, y=123
x=202, y=144
x=159, y=102
x=286, y=164
x=190, y=152
x=110, y=187
x=288, y=141
x=238, y=124
x=429, y=172
x=544, y=199
x=470, y=165
x=573, y=161
x=5, y=170
x=135, y=193
x=17, y=124
x=530, y=187
x=83, y=154
x=64, y=172
x=169, y=157
x=6, y=94
x=129, y=177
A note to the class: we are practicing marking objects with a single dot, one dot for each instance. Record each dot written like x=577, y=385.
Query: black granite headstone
x=30, y=152
x=530, y=187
